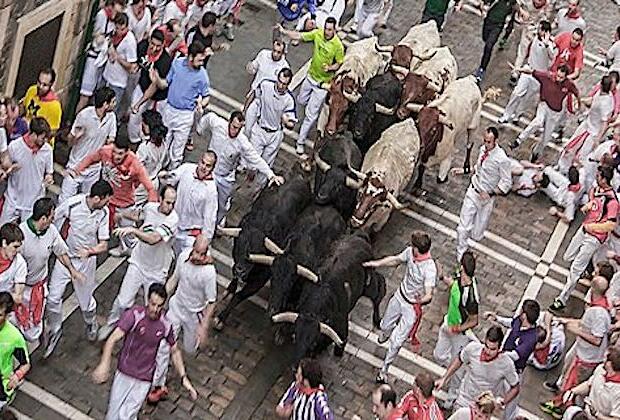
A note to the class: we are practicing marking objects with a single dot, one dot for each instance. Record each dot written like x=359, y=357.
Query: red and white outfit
x=403, y=313
x=25, y=185
x=177, y=9
x=12, y=272
x=604, y=395
x=36, y=249
x=411, y=408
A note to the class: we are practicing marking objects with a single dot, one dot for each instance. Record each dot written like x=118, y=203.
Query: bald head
x=201, y=244
x=599, y=285
x=199, y=254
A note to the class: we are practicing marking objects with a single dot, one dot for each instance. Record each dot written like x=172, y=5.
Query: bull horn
x=261, y=259
x=384, y=49
x=359, y=174
x=326, y=85
x=435, y=87
x=427, y=54
x=353, y=184
x=394, y=202
x=285, y=317
x=445, y=121
x=351, y=97
x=329, y=331
x=400, y=69
x=414, y=107
x=384, y=110
x=307, y=273
x=323, y=166
x=232, y=232
x=273, y=247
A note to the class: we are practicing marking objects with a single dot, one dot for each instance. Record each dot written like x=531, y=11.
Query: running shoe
x=381, y=378
x=52, y=342
x=557, y=306
x=551, y=386
x=92, y=331
x=551, y=409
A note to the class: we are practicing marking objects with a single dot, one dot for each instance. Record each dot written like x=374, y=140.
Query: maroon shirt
x=552, y=92
x=142, y=338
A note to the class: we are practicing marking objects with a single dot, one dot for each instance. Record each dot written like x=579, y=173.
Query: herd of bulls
x=405, y=109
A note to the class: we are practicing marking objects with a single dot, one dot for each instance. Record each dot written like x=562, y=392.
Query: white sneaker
x=299, y=149
x=52, y=341
x=503, y=119
x=382, y=337
x=104, y=332
x=91, y=331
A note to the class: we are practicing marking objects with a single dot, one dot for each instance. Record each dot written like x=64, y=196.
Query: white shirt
x=595, y=321
x=601, y=110
x=604, y=395
x=264, y=67
x=86, y=227
x=613, y=56
x=558, y=191
x=566, y=24
x=156, y=259
x=113, y=72
x=14, y=274
x=3, y=141
x=139, y=27
x=25, y=185
x=103, y=25
x=273, y=105
x=172, y=11
x=37, y=250
x=494, y=172
x=194, y=14
x=230, y=149
x=152, y=158
x=96, y=132
x=419, y=278
x=197, y=285
x=541, y=54
x=196, y=200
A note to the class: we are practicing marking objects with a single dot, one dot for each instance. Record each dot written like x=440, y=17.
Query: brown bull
x=417, y=89
x=342, y=91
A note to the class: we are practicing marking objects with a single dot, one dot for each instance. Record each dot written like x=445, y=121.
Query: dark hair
x=545, y=25
x=51, y=72
x=613, y=356
x=388, y=395
x=425, y=382
x=578, y=31
x=121, y=142
x=606, y=84
x=158, y=134
x=545, y=181
x=151, y=118
x=495, y=334
x=541, y=334
x=606, y=172
x=136, y=1
x=237, y=115
x=40, y=126
x=158, y=35
x=164, y=189
x=531, y=309
x=286, y=72
x=195, y=48
x=331, y=20
x=468, y=262
x=606, y=270
x=208, y=19
x=573, y=175
x=101, y=189
x=494, y=131
x=10, y=232
x=159, y=290
x=421, y=241
x=615, y=75
x=311, y=370
x=564, y=69
x=44, y=206
x=121, y=19
x=103, y=95
x=6, y=302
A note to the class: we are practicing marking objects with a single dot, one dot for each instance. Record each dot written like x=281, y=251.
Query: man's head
x=604, y=175
x=156, y=300
x=138, y=5
x=530, y=311
x=207, y=23
x=329, y=30
x=43, y=213
x=156, y=42
x=285, y=76
x=277, y=49
x=493, y=341
x=105, y=99
x=309, y=373
x=11, y=240
x=196, y=54
x=40, y=131
x=612, y=361
x=120, y=148
x=199, y=254
x=576, y=38
x=420, y=242
x=486, y=403
x=115, y=6
x=158, y=134
x=615, y=78
x=605, y=269
x=150, y=118
x=206, y=164
x=46, y=80
x=424, y=384
x=573, y=175
x=121, y=24
x=489, y=138
x=6, y=306
x=100, y=194
x=561, y=73
x=468, y=264
x=235, y=123
x=168, y=197
x=383, y=401
x=599, y=286
x=544, y=28
x=606, y=84
x=573, y=6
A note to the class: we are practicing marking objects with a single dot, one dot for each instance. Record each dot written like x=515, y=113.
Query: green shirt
x=500, y=10
x=12, y=345
x=325, y=52
x=437, y=7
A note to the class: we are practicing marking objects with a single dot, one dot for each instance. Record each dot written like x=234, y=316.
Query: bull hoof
x=442, y=181
x=338, y=351
x=218, y=325
x=278, y=338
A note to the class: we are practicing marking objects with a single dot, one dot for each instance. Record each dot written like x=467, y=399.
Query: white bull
x=415, y=45
x=440, y=68
x=386, y=171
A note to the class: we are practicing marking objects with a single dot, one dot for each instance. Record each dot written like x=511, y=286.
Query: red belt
x=572, y=375
x=417, y=309
x=31, y=315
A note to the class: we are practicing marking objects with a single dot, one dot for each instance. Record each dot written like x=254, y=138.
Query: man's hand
x=187, y=384
x=586, y=207
x=224, y=46
x=121, y=232
x=71, y=173
x=277, y=180
x=101, y=374
x=439, y=383
x=553, y=211
x=135, y=108
x=13, y=168
x=201, y=338
x=459, y=6
x=14, y=381
x=454, y=330
x=279, y=27
x=484, y=195
x=48, y=180
x=78, y=277
x=490, y=316
x=17, y=298
x=369, y=264
x=83, y=253
x=153, y=75
x=326, y=67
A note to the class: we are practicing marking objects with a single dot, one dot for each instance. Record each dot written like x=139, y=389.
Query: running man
x=12, y=347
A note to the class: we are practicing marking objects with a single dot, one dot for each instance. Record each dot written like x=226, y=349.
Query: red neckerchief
x=153, y=58
x=486, y=357
x=542, y=354
x=208, y=178
x=31, y=145
x=575, y=187
x=49, y=97
x=109, y=12
x=181, y=5
x=614, y=377
x=600, y=301
x=4, y=264
x=421, y=257
x=484, y=156
x=118, y=38
x=574, y=14
x=309, y=390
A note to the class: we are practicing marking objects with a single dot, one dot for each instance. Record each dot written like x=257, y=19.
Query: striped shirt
x=307, y=405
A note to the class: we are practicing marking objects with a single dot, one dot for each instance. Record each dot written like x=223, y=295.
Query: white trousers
x=545, y=118
x=251, y=116
x=525, y=90
x=225, y=189
x=33, y=330
x=267, y=144
x=511, y=410
x=579, y=151
x=366, y=23
x=126, y=397
x=473, y=220
x=11, y=212
x=179, y=123
x=90, y=77
x=447, y=348
x=181, y=320
x=527, y=35
x=83, y=290
x=134, y=126
x=580, y=251
x=398, y=319
x=312, y=95
x=82, y=183
x=134, y=279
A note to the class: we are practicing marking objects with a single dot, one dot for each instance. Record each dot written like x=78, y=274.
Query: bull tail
x=491, y=93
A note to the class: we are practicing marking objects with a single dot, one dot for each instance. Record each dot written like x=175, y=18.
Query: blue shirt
x=284, y=6
x=521, y=341
x=186, y=84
